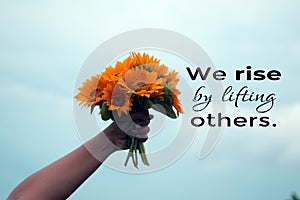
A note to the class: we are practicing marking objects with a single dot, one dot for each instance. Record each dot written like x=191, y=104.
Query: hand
x=133, y=125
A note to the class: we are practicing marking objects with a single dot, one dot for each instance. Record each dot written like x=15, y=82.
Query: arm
x=61, y=178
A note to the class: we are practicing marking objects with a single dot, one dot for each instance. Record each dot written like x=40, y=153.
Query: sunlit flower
x=176, y=103
x=149, y=90
x=113, y=74
x=116, y=99
x=170, y=81
x=142, y=59
x=140, y=82
x=91, y=91
x=161, y=70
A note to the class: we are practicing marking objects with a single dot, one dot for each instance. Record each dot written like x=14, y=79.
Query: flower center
x=94, y=94
x=140, y=84
x=118, y=100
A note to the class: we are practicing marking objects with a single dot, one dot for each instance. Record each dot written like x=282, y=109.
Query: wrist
x=100, y=147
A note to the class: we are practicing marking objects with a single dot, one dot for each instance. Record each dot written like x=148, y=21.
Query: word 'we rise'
x=248, y=74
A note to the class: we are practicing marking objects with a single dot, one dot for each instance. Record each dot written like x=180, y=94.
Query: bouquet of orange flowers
x=139, y=82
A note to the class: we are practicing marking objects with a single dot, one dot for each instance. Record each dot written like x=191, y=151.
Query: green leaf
x=105, y=113
x=168, y=109
x=157, y=101
x=167, y=95
x=147, y=104
x=92, y=108
x=170, y=112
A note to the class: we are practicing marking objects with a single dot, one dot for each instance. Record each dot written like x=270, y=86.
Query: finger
x=126, y=122
x=142, y=119
x=142, y=138
x=145, y=122
x=141, y=131
x=129, y=123
x=142, y=115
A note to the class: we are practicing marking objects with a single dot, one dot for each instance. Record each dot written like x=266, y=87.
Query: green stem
x=145, y=156
x=136, y=158
x=135, y=148
x=130, y=151
x=141, y=153
x=135, y=153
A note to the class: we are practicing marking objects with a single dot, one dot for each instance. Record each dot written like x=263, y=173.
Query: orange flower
x=125, y=65
x=102, y=82
x=142, y=59
x=171, y=78
x=140, y=82
x=112, y=74
x=115, y=73
x=148, y=90
x=91, y=91
x=170, y=81
x=116, y=99
x=149, y=63
x=176, y=103
x=161, y=70
x=139, y=75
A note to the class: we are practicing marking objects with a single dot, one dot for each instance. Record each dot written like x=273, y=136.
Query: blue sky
x=43, y=45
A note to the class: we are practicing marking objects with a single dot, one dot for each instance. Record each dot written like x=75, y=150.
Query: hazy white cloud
x=36, y=98
x=279, y=144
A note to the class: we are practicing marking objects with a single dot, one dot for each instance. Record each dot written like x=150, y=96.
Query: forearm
x=61, y=178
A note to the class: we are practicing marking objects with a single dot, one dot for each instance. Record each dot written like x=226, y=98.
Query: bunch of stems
x=136, y=147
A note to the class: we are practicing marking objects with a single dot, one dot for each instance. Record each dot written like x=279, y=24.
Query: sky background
x=44, y=44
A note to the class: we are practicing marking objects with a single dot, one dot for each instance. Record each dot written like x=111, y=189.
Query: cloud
x=288, y=135
x=37, y=99
x=33, y=119
x=279, y=145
